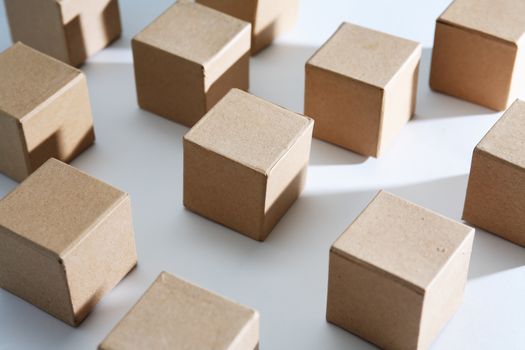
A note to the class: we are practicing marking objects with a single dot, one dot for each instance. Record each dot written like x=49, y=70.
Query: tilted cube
x=269, y=18
x=245, y=163
x=188, y=59
x=479, y=52
x=69, y=30
x=174, y=314
x=44, y=111
x=66, y=239
x=397, y=274
x=496, y=188
x=361, y=87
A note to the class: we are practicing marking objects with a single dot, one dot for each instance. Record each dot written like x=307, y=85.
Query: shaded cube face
x=360, y=87
x=245, y=163
x=480, y=58
x=66, y=239
x=45, y=111
x=174, y=314
x=70, y=31
x=397, y=274
x=495, y=198
x=182, y=68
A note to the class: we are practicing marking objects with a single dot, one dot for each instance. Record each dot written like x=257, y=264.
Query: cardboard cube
x=44, y=111
x=66, y=239
x=495, y=198
x=269, y=18
x=245, y=163
x=69, y=30
x=361, y=88
x=397, y=273
x=174, y=314
x=479, y=54
x=188, y=59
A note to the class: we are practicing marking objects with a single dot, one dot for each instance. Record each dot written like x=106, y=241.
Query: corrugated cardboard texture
x=269, y=18
x=361, y=88
x=388, y=271
x=45, y=111
x=246, y=156
x=182, y=69
x=174, y=314
x=80, y=226
x=69, y=30
x=496, y=190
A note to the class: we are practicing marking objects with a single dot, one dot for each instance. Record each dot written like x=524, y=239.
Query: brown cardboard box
x=397, y=273
x=66, y=239
x=479, y=51
x=361, y=88
x=496, y=189
x=245, y=163
x=188, y=59
x=269, y=18
x=44, y=111
x=174, y=314
x=69, y=30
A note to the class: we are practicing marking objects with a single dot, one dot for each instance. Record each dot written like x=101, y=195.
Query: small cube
x=361, y=88
x=66, y=239
x=174, y=314
x=44, y=111
x=495, y=198
x=245, y=163
x=188, y=59
x=269, y=18
x=69, y=30
x=397, y=274
x=479, y=54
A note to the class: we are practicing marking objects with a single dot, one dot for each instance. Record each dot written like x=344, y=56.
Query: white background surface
x=285, y=277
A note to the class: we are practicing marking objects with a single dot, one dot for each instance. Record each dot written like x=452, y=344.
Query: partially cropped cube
x=174, y=314
x=397, y=274
x=361, y=88
x=479, y=52
x=245, y=163
x=496, y=188
x=269, y=18
x=44, y=111
x=66, y=239
x=188, y=59
x=69, y=30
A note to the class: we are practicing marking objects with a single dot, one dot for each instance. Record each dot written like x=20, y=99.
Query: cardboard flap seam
x=478, y=32
x=488, y=153
x=346, y=77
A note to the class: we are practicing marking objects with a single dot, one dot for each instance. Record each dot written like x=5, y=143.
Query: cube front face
x=77, y=244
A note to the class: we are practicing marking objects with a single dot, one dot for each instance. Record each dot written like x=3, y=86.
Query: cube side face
x=38, y=24
x=346, y=112
x=495, y=198
x=37, y=278
x=168, y=85
x=518, y=83
x=472, y=67
x=13, y=153
x=223, y=190
x=244, y=9
x=445, y=294
x=101, y=260
x=286, y=181
x=62, y=129
x=272, y=18
x=399, y=101
x=372, y=306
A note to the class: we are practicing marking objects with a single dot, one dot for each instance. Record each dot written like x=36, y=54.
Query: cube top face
x=195, y=32
x=30, y=78
x=408, y=242
x=56, y=206
x=505, y=19
x=506, y=139
x=249, y=130
x=174, y=314
x=364, y=55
